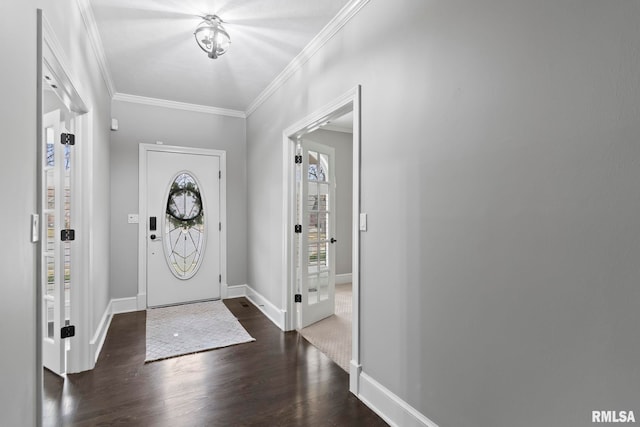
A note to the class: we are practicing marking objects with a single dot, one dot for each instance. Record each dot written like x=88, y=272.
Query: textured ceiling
x=151, y=51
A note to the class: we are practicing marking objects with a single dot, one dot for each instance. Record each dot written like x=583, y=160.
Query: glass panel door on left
x=57, y=253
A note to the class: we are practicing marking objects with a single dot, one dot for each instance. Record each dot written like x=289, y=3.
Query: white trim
x=141, y=298
x=236, y=291
x=123, y=305
x=355, y=226
x=335, y=128
x=273, y=313
x=393, y=410
x=96, y=42
x=135, y=99
x=344, y=278
x=339, y=21
x=100, y=334
x=350, y=101
x=355, y=370
x=115, y=306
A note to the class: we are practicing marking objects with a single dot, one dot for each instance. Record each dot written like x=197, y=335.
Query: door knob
x=333, y=240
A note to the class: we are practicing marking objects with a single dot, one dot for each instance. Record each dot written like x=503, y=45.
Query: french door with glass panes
x=315, y=183
x=57, y=241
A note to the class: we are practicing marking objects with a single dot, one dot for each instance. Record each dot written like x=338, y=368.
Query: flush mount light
x=212, y=37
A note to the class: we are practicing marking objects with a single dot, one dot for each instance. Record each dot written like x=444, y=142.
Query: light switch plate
x=363, y=222
x=132, y=218
x=35, y=228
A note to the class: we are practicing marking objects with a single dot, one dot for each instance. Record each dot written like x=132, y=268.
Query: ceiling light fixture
x=212, y=37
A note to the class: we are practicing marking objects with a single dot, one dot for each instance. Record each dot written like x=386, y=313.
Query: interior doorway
x=63, y=301
x=332, y=333
x=301, y=196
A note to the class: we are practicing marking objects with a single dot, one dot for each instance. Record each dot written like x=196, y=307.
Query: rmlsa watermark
x=613, y=417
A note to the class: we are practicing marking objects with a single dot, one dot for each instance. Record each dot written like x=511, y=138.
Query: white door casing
x=167, y=277
x=349, y=101
x=317, y=253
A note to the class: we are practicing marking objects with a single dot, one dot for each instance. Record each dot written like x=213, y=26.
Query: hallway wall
x=18, y=45
x=500, y=177
x=147, y=124
x=17, y=261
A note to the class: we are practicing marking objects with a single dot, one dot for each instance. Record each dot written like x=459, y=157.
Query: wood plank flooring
x=278, y=380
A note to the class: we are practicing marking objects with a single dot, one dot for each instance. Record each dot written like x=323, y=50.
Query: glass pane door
x=316, y=198
x=56, y=216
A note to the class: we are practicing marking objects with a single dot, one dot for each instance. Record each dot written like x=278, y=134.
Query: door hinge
x=298, y=228
x=67, y=331
x=297, y=298
x=67, y=139
x=219, y=174
x=298, y=159
x=219, y=226
x=67, y=235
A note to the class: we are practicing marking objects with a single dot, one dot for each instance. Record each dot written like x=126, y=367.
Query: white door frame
x=350, y=101
x=143, y=217
x=53, y=60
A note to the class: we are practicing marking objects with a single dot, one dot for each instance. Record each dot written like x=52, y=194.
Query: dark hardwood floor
x=278, y=380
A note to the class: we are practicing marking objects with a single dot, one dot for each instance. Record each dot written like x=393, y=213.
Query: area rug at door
x=191, y=328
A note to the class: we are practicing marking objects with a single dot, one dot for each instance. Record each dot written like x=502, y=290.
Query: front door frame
x=350, y=101
x=142, y=213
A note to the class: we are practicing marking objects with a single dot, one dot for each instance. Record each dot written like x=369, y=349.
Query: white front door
x=56, y=254
x=316, y=244
x=183, y=227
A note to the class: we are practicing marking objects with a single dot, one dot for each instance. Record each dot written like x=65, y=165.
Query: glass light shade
x=212, y=37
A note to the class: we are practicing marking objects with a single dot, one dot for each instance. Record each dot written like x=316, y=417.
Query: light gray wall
x=17, y=260
x=343, y=144
x=148, y=124
x=500, y=175
x=18, y=112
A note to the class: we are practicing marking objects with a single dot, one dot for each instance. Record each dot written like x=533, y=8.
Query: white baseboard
x=100, y=334
x=236, y=291
x=115, y=306
x=354, y=375
x=142, y=301
x=273, y=313
x=124, y=305
x=343, y=278
x=395, y=411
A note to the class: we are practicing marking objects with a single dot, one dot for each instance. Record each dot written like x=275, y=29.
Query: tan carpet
x=332, y=335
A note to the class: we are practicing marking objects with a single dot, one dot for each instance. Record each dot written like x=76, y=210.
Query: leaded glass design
x=184, y=226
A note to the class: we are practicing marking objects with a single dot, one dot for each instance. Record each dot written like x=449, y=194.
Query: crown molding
x=135, y=99
x=96, y=42
x=339, y=21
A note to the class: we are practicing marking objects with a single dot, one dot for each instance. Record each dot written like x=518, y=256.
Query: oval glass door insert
x=184, y=226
